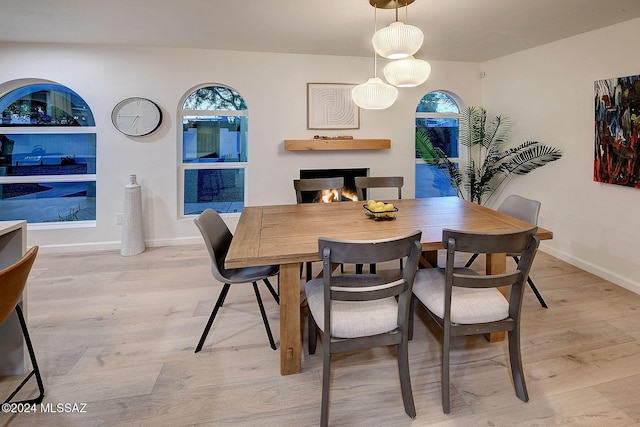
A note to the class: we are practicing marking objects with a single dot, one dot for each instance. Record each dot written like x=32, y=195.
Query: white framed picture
x=330, y=106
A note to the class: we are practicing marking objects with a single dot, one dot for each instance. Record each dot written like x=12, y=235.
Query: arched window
x=47, y=155
x=213, y=151
x=437, y=117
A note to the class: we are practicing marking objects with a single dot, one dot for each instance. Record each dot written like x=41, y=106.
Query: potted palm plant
x=488, y=164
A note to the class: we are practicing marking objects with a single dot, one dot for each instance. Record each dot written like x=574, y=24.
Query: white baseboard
x=115, y=245
x=605, y=274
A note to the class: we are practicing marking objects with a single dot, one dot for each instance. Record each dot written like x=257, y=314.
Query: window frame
x=183, y=167
x=435, y=115
x=51, y=130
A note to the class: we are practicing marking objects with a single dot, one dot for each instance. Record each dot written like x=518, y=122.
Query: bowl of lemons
x=380, y=210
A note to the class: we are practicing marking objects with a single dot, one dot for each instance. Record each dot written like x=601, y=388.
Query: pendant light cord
x=375, y=28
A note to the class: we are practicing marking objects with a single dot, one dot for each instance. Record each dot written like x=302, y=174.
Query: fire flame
x=329, y=196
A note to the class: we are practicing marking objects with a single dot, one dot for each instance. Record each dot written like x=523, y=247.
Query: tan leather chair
x=12, y=282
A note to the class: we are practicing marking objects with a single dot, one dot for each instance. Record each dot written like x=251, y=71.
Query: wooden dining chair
x=217, y=239
x=526, y=210
x=314, y=185
x=366, y=182
x=13, y=280
x=359, y=311
x=464, y=302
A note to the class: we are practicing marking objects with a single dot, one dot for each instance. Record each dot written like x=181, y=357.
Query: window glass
x=443, y=134
x=214, y=98
x=437, y=118
x=437, y=102
x=213, y=151
x=44, y=105
x=47, y=156
x=214, y=139
x=218, y=189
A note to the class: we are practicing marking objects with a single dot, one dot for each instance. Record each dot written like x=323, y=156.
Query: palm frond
x=532, y=158
x=488, y=166
x=472, y=131
x=497, y=132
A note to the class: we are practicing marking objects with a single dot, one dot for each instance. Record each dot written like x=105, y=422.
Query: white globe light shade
x=398, y=40
x=407, y=72
x=374, y=94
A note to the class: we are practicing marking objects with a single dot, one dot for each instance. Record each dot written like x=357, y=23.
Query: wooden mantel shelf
x=336, y=144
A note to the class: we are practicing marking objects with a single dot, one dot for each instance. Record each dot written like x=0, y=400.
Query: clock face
x=136, y=116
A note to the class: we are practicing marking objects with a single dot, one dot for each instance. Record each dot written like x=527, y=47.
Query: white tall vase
x=132, y=230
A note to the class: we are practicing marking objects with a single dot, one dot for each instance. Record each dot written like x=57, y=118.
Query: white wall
x=274, y=88
x=549, y=93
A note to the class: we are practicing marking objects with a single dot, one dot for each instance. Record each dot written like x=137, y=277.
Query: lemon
x=388, y=207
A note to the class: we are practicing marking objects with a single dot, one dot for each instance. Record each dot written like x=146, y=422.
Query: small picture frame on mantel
x=330, y=106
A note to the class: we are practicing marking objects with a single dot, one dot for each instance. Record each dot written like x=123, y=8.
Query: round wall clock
x=136, y=116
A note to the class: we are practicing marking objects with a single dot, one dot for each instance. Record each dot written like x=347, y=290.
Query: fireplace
x=348, y=191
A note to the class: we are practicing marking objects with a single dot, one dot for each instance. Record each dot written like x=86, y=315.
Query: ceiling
x=455, y=30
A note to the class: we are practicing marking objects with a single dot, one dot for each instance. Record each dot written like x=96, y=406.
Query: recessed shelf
x=336, y=144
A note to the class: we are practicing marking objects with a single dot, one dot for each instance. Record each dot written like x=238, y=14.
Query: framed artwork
x=330, y=106
x=617, y=131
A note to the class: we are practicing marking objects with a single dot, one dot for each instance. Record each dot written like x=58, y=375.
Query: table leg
x=290, y=343
x=496, y=264
x=429, y=259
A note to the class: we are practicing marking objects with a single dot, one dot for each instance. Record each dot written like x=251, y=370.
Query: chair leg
x=471, y=260
x=264, y=316
x=36, y=369
x=223, y=295
x=309, y=271
x=533, y=287
x=405, y=379
x=446, y=342
x=413, y=305
x=326, y=374
x=312, y=334
x=515, y=360
x=273, y=291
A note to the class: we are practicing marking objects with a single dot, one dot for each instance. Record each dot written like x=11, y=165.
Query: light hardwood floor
x=118, y=333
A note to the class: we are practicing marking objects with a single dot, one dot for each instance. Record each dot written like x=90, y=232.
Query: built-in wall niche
x=348, y=191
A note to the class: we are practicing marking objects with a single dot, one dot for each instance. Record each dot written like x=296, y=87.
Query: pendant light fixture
x=407, y=72
x=374, y=94
x=398, y=40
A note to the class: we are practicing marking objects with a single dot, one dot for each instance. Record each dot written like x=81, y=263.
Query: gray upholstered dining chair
x=13, y=280
x=526, y=210
x=318, y=184
x=217, y=239
x=366, y=182
x=314, y=185
x=464, y=302
x=359, y=311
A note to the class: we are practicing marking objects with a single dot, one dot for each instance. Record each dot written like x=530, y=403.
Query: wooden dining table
x=287, y=235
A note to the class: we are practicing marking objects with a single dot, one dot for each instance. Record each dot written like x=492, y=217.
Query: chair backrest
x=318, y=184
x=522, y=208
x=524, y=242
x=12, y=282
x=217, y=239
x=363, y=182
x=358, y=287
